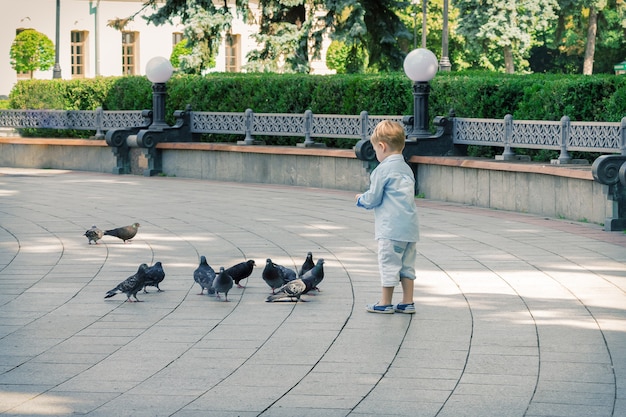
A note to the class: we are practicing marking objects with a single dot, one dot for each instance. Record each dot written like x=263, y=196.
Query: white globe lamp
x=159, y=70
x=421, y=66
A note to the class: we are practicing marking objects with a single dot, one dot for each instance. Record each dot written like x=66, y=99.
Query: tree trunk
x=509, y=66
x=590, y=47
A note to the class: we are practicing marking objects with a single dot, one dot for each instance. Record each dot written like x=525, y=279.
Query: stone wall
x=556, y=191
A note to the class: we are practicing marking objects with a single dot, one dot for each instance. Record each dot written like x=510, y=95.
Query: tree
x=590, y=47
x=292, y=30
x=592, y=33
x=31, y=51
x=372, y=24
x=282, y=38
x=344, y=59
x=203, y=34
x=502, y=32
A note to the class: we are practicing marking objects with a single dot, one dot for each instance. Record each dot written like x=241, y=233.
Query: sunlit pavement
x=517, y=315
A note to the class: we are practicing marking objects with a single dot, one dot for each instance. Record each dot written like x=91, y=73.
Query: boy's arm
x=372, y=197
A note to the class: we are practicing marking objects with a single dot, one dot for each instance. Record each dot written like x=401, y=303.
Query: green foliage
x=502, y=33
x=288, y=32
x=345, y=59
x=179, y=49
x=31, y=51
x=128, y=93
x=38, y=94
x=567, y=40
x=469, y=94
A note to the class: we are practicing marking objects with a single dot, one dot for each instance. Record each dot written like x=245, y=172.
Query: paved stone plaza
x=517, y=315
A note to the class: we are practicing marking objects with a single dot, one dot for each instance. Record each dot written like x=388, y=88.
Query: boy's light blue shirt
x=392, y=197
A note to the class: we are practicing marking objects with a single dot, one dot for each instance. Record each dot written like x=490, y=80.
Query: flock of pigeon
x=286, y=283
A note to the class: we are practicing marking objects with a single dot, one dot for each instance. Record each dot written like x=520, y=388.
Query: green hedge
x=470, y=94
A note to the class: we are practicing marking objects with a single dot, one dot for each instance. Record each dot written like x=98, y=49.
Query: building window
x=233, y=46
x=130, y=52
x=79, y=53
x=176, y=38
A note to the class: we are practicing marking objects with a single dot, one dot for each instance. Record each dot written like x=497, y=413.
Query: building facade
x=90, y=47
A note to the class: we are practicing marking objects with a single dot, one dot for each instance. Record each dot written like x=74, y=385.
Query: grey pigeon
x=222, y=283
x=125, y=233
x=298, y=287
x=288, y=273
x=315, y=275
x=131, y=285
x=93, y=235
x=307, y=265
x=292, y=289
x=204, y=276
x=240, y=271
x=273, y=275
x=154, y=276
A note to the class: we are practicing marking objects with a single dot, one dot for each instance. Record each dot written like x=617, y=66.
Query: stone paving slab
x=517, y=315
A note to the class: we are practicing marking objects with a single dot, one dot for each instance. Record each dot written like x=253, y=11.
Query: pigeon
x=204, y=276
x=298, y=287
x=307, y=265
x=241, y=271
x=154, y=276
x=94, y=234
x=276, y=275
x=292, y=289
x=131, y=285
x=223, y=283
x=288, y=274
x=125, y=233
x=315, y=275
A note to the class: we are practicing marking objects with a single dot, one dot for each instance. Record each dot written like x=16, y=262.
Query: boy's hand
x=356, y=197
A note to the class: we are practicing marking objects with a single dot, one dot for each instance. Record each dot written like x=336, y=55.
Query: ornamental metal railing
x=98, y=120
x=307, y=125
x=563, y=135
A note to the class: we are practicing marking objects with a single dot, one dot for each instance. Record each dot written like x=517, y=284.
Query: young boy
x=392, y=197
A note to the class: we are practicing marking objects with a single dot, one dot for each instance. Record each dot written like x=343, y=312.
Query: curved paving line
x=52, y=310
x=203, y=336
x=19, y=248
x=330, y=345
x=471, y=339
x=471, y=313
x=599, y=328
x=146, y=329
x=271, y=334
x=530, y=312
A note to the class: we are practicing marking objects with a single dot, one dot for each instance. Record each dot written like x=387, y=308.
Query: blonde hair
x=390, y=132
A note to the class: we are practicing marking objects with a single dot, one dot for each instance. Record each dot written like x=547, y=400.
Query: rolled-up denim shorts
x=396, y=260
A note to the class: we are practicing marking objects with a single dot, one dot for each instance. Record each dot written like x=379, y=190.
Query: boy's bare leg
x=386, y=297
x=407, y=290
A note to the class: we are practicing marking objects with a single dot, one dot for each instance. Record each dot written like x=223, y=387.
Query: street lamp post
x=424, y=7
x=420, y=65
x=444, y=63
x=159, y=70
x=56, y=71
x=414, y=30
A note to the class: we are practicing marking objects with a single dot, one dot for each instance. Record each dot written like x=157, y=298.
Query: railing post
x=564, y=157
x=508, y=154
x=623, y=136
x=308, y=125
x=249, y=121
x=364, y=125
x=99, y=123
